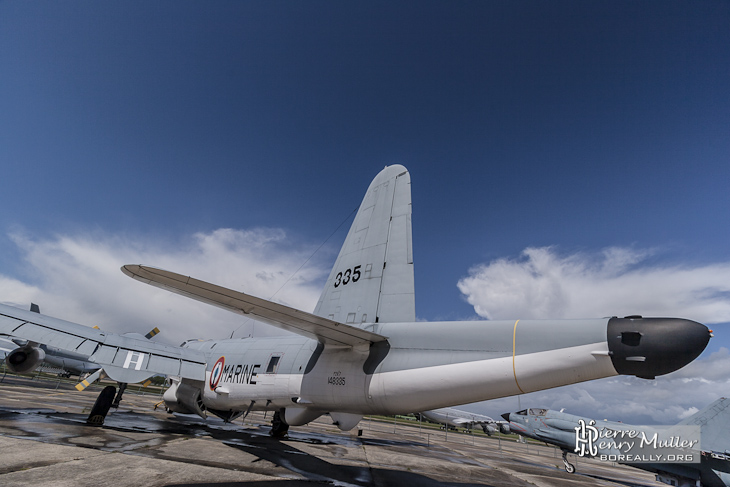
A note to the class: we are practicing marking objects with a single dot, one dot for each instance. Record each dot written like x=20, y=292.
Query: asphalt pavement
x=45, y=441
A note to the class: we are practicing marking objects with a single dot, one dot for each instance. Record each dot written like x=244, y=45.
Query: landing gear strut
x=101, y=406
x=569, y=467
x=118, y=399
x=279, y=428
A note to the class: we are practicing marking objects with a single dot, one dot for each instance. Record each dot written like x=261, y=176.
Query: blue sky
x=574, y=153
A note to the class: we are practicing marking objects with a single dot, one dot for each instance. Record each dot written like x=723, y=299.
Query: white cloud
x=543, y=284
x=689, y=412
x=77, y=278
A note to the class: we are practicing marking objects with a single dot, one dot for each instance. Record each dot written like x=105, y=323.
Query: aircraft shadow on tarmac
x=257, y=443
x=281, y=453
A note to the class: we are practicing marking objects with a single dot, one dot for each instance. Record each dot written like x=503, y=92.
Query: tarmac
x=44, y=441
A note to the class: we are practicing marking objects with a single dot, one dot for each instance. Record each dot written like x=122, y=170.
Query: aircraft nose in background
x=648, y=347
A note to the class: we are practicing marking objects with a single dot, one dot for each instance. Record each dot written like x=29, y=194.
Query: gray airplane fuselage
x=361, y=350
x=398, y=376
x=73, y=363
x=456, y=418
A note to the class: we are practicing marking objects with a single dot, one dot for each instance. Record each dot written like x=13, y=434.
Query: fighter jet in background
x=559, y=429
x=362, y=351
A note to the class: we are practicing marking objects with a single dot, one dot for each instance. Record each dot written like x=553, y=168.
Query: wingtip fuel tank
x=648, y=347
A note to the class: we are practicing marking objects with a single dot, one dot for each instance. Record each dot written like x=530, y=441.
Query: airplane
x=456, y=418
x=559, y=429
x=361, y=351
x=71, y=363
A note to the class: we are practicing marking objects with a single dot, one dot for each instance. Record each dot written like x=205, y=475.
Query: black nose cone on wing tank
x=648, y=347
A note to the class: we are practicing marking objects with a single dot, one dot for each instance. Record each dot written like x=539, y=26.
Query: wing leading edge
x=123, y=358
x=324, y=330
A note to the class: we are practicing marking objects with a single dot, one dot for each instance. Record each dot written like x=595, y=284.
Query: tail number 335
x=350, y=275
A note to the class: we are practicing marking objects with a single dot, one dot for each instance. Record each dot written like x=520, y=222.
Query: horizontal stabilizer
x=275, y=314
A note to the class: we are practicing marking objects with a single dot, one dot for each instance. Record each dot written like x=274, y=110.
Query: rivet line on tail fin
x=514, y=348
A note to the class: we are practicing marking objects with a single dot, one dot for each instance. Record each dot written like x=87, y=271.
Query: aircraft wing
x=302, y=323
x=124, y=359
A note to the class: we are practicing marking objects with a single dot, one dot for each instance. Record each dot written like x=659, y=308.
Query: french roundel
x=215, y=374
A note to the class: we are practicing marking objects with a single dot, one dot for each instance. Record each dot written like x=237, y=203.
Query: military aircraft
x=71, y=363
x=362, y=351
x=559, y=429
x=456, y=418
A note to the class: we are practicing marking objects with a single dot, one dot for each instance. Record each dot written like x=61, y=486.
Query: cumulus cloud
x=77, y=278
x=543, y=284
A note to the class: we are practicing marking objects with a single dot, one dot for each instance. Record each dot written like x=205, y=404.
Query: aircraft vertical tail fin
x=372, y=279
x=714, y=421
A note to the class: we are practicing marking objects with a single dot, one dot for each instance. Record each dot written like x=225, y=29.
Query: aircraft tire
x=569, y=467
x=279, y=428
x=101, y=406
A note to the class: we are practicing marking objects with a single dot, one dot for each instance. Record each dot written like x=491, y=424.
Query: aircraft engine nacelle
x=184, y=398
x=24, y=359
x=298, y=416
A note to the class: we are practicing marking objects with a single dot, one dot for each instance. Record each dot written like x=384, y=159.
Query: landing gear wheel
x=279, y=428
x=101, y=406
x=569, y=467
